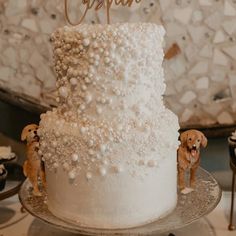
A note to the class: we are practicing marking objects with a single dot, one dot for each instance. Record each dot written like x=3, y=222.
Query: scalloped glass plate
x=190, y=207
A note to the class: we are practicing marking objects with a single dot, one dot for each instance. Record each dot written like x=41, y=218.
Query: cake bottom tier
x=118, y=201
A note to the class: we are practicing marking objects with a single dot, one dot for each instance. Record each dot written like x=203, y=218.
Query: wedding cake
x=110, y=145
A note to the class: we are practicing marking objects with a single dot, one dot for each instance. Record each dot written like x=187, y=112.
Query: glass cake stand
x=190, y=207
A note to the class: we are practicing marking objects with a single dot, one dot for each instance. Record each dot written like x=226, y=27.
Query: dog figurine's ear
x=204, y=140
x=183, y=138
x=24, y=134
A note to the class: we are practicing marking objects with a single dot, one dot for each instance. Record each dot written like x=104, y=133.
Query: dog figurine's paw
x=187, y=190
x=181, y=187
x=37, y=193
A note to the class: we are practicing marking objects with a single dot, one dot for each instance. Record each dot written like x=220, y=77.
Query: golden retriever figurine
x=33, y=168
x=188, y=155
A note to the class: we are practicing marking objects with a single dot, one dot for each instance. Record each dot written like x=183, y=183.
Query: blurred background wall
x=200, y=46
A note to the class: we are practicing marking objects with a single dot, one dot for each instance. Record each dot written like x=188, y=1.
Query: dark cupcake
x=3, y=178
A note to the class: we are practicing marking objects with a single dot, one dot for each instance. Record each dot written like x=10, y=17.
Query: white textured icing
x=114, y=201
x=111, y=143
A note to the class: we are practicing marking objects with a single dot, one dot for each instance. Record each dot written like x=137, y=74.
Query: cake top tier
x=75, y=41
x=106, y=68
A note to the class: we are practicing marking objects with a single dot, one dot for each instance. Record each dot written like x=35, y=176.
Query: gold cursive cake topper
x=97, y=5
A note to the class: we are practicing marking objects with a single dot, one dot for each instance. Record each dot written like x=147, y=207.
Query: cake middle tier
x=103, y=70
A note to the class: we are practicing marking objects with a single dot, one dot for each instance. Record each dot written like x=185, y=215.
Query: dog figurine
x=188, y=155
x=33, y=166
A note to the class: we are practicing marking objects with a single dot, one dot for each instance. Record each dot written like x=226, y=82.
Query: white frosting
x=110, y=146
x=6, y=153
x=233, y=135
x=115, y=200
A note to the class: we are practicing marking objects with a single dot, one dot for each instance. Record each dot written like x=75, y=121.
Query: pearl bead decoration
x=103, y=148
x=72, y=175
x=83, y=130
x=86, y=42
x=63, y=92
x=75, y=157
x=55, y=166
x=152, y=163
x=66, y=166
x=88, y=98
x=73, y=81
x=102, y=171
x=99, y=110
x=118, y=169
x=89, y=176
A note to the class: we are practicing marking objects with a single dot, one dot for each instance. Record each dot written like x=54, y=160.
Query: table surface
x=15, y=223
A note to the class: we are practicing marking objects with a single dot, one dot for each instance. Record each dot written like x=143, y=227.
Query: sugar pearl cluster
x=81, y=58
x=110, y=117
x=104, y=153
